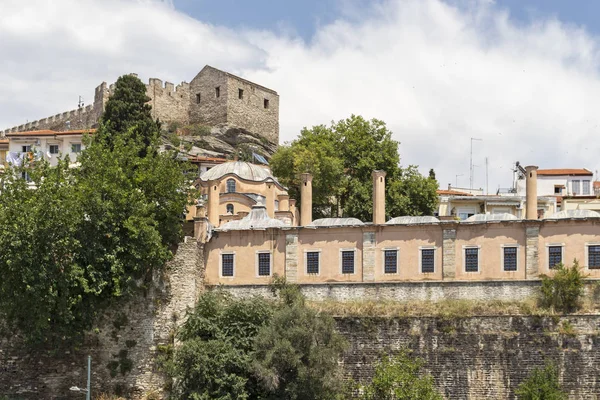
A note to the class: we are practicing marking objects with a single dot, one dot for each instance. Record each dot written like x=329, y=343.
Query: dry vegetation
x=443, y=308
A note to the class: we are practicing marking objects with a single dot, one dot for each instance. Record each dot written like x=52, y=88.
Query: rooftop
x=565, y=171
x=408, y=220
x=336, y=222
x=47, y=132
x=256, y=219
x=241, y=169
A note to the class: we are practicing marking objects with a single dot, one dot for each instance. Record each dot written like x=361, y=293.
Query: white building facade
x=561, y=182
x=49, y=145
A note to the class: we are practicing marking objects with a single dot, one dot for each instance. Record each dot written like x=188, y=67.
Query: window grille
x=312, y=262
x=348, y=262
x=427, y=261
x=264, y=264
x=510, y=258
x=554, y=256
x=471, y=259
x=227, y=264
x=390, y=261
x=594, y=257
x=230, y=186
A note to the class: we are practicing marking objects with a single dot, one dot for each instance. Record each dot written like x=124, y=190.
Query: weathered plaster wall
x=138, y=327
x=481, y=357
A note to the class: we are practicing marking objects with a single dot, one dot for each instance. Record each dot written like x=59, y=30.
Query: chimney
x=306, y=199
x=378, y=197
x=531, y=192
x=213, y=203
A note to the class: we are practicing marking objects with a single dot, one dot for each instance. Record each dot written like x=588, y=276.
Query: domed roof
x=336, y=222
x=408, y=220
x=574, y=214
x=242, y=169
x=491, y=217
x=257, y=219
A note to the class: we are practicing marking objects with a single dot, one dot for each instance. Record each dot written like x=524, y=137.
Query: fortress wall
x=250, y=111
x=169, y=103
x=210, y=110
x=82, y=118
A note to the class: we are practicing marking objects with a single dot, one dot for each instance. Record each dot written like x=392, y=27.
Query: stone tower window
x=218, y=92
x=266, y=103
x=240, y=94
x=198, y=98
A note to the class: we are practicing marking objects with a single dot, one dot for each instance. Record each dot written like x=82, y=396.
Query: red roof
x=50, y=133
x=452, y=193
x=564, y=171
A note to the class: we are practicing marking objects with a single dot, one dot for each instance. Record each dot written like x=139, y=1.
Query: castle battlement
x=213, y=97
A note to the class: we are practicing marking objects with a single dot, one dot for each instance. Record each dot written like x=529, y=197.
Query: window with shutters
x=312, y=262
x=472, y=259
x=554, y=256
x=390, y=261
x=227, y=264
x=264, y=263
x=510, y=258
x=347, y=261
x=427, y=261
x=593, y=256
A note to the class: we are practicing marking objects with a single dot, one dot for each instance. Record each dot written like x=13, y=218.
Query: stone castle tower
x=212, y=98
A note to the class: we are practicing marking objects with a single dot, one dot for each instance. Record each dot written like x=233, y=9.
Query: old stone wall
x=404, y=291
x=255, y=108
x=207, y=107
x=481, y=358
x=123, y=347
x=169, y=102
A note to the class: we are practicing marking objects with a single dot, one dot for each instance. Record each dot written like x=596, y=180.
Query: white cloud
x=438, y=74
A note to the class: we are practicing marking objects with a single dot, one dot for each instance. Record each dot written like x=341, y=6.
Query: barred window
x=472, y=259
x=348, y=262
x=510, y=258
x=427, y=261
x=312, y=262
x=390, y=261
x=264, y=264
x=594, y=257
x=230, y=186
x=229, y=208
x=554, y=256
x=227, y=264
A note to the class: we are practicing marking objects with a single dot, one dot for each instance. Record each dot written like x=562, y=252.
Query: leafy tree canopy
x=77, y=238
x=257, y=349
x=400, y=378
x=341, y=159
x=541, y=384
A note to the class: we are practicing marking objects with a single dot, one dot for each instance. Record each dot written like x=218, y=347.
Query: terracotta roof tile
x=563, y=171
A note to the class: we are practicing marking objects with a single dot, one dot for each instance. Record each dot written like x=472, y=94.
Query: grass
x=443, y=308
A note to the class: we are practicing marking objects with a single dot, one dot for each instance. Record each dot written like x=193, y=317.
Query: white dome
x=336, y=222
x=574, y=214
x=408, y=220
x=257, y=219
x=491, y=217
x=242, y=169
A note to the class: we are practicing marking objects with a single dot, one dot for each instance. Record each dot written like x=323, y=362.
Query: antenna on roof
x=80, y=103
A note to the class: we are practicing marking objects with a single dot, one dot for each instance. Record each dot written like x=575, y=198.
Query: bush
x=400, y=378
x=563, y=290
x=542, y=384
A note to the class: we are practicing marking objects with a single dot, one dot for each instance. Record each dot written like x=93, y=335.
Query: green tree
x=315, y=151
x=400, y=378
x=563, y=290
x=77, y=238
x=214, y=360
x=342, y=158
x=296, y=354
x=541, y=384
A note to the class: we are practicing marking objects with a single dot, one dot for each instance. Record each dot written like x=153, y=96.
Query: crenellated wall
x=196, y=102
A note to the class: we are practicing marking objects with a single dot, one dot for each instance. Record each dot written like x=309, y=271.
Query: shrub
x=562, y=291
x=542, y=384
x=400, y=378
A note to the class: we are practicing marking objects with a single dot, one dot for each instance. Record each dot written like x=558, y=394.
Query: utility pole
x=88, y=393
x=471, y=163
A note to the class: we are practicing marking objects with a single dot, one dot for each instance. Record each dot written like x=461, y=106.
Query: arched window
x=276, y=205
x=230, y=186
x=229, y=208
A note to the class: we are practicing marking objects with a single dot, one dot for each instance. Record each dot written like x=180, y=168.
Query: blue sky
x=523, y=75
x=303, y=17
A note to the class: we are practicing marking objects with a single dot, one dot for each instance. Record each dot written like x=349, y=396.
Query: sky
x=521, y=75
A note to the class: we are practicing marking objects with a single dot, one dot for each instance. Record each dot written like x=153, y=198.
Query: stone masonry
x=449, y=253
x=532, y=234
x=480, y=358
x=212, y=98
x=123, y=346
